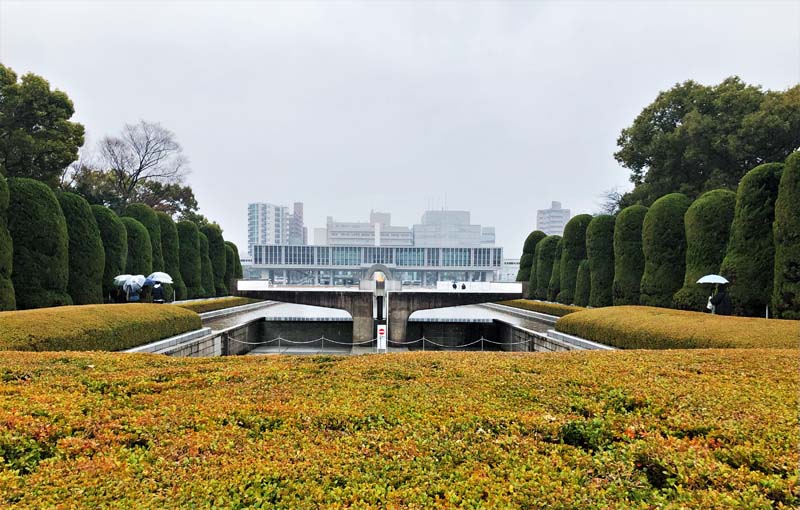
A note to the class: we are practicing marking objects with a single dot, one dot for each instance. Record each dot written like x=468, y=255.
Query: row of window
x=360, y=255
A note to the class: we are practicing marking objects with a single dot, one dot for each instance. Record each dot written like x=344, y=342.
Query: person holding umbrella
x=720, y=302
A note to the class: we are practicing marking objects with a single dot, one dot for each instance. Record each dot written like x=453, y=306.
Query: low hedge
x=210, y=305
x=643, y=327
x=92, y=327
x=556, y=309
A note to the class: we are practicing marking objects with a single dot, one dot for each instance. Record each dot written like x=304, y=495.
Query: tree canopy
x=37, y=139
x=694, y=138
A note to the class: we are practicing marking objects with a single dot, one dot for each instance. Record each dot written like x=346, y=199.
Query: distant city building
x=487, y=236
x=509, y=270
x=552, y=221
x=320, y=236
x=450, y=228
x=377, y=232
x=270, y=224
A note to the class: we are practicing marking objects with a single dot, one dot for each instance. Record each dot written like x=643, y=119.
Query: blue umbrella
x=148, y=282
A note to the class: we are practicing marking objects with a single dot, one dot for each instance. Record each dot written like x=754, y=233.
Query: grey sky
x=393, y=106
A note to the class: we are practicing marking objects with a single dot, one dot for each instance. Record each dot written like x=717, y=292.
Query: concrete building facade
x=552, y=221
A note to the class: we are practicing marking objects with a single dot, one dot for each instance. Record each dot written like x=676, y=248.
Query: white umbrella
x=121, y=279
x=712, y=278
x=134, y=283
x=159, y=276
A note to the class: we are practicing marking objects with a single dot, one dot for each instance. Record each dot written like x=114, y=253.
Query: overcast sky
x=497, y=108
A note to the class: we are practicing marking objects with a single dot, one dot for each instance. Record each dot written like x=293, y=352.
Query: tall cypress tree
x=554, y=286
x=786, y=288
x=145, y=215
x=573, y=251
x=191, y=265
x=206, y=268
x=140, y=249
x=545, y=255
x=171, y=250
x=7, y=300
x=114, y=237
x=628, y=255
x=87, y=258
x=600, y=252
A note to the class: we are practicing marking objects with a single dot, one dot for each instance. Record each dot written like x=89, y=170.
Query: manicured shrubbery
x=600, y=252
x=114, y=238
x=87, y=258
x=145, y=215
x=545, y=253
x=527, y=265
x=664, y=247
x=191, y=269
x=93, y=327
x=140, y=251
x=641, y=327
x=618, y=430
x=583, y=283
x=628, y=255
x=230, y=267
x=206, y=268
x=525, y=262
x=573, y=252
x=556, y=309
x=708, y=225
x=749, y=262
x=786, y=293
x=39, y=232
x=554, y=286
x=237, y=271
x=210, y=305
x=216, y=253
x=7, y=300
x=170, y=250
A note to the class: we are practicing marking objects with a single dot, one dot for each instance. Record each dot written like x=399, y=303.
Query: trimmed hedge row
x=210, y=305
x=708, y=224
x=641, y=327
x=145, y=215
x=545, y=255
x=170, y=249
x=238, y=273
x=7, y=300
x=93, y=327
x=583, y=283
x=556, y=309
x=87, y=258
x=554, y=286
x=216, y=253
x=114, y=237
x=140, y=249
x=786, y=287
x=628, y=255
x=600, y=252
x=527, y=265
x=206, y=268
x=573, y=252
x=191, y=269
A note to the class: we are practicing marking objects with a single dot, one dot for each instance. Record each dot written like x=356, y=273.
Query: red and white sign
x=381, y=337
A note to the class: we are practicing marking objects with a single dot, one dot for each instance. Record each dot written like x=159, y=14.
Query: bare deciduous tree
x=144, y=152
x=609, y=201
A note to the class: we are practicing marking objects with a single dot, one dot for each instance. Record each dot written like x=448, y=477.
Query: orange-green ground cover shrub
x=643, y=327
x=92, y=327
x=209, y=305
x=556, y=309
x=625, y=430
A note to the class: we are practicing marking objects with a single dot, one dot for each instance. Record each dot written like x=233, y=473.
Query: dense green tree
x=206, y=268
x=114, y=237
x=41, y=257
x=664, y=248
x=628, y=255
x=527, y=265
x=87, y=258
x=37, y=140
x=230, y=266
x=189, y=256
x=171, y=250
x=145, y=215
x=554, y=285
x=216, y=252
x=545, y=255
x=749, y=261
x=600, y=252
x=237, y=273
x=7, y=300
x=583, y=284
x=708, y=226
x=573, y=251
x=140, y=248
x=786, y=287
x=695, y=138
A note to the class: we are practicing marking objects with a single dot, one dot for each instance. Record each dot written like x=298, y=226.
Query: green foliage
x=573, y=251
x=545, y=255
x=41, y=257
x=37, y=140
x=7, y=300
x=786, y=293
x=109, y=327
x=87, y=258
x=600, y=252
x=664, y=247
x=145, y=215
x=749, y=262
x=528, y=269
x=170, y=249
x=583, y=283
x=544, y=307
x=230, y=266
x=140, y=251
x=237, y=273
x=216, y=252
x=628, y=255
x=695, y=138
x=114, y=238
x=554, y=285
x=708, y=225
x=206, y=268
x=191, y=268
x=210, y=305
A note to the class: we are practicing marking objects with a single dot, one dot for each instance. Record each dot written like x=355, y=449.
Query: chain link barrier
x=424, y=340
